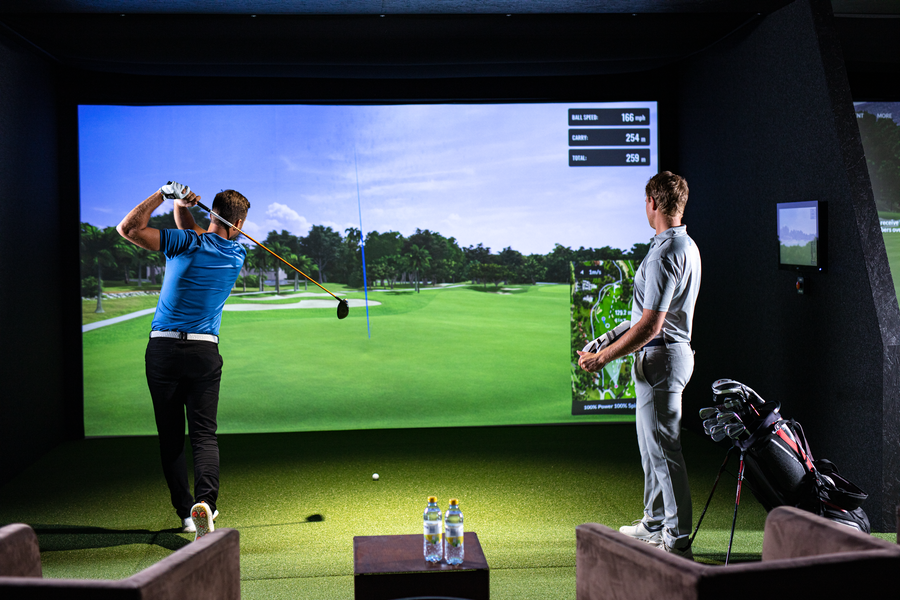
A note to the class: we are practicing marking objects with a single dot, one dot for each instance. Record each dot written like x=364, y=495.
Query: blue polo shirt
x=200, y=272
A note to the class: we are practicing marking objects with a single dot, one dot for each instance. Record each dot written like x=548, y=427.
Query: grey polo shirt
x=668, y=280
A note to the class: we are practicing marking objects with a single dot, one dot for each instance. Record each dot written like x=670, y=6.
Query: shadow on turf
x=309, y=519
x=72, y=537
x=718, y=558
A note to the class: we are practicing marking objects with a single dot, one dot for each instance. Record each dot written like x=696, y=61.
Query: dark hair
x=670, y=192
x=231, y=205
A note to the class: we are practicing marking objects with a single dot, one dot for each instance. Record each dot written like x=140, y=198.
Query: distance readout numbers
x=628, y=128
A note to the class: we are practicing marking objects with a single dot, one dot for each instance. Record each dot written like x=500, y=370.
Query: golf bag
x=778, y=465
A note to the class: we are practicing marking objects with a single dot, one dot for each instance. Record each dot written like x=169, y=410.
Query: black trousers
x=184, y=377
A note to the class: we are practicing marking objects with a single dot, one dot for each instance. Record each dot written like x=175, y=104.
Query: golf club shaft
x=266, y=249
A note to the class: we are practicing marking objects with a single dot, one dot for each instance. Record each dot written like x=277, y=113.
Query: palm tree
x=140, y=257
x=249, y=265
x=284, y=252
x=261, y=260
x=418, y=258
x=97, y=251
x=304, y=263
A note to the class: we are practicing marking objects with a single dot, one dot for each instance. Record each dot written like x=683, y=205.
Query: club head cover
x=174, y=190
x=607, y=338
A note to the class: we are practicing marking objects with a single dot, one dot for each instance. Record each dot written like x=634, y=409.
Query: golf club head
x=709, y=424
x=733, y=404
x=343, y=309
x=709, y=411
x=722, y=387
x=735, y=430
x=718, y=433
x=728, y=417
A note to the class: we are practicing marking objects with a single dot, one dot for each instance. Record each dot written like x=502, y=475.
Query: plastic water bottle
x=453, y=534
x=433, y=549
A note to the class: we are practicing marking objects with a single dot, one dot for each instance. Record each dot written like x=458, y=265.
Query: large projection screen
x=472, y=215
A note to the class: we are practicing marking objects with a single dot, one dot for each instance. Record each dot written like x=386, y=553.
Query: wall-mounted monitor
x=802, y=239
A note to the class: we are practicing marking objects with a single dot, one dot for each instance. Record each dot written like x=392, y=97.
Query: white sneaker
x=639, y=531
x=187, y=524
x=685, y=552
x=203, y=520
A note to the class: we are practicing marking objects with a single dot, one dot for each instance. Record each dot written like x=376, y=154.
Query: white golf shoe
x=639, y=531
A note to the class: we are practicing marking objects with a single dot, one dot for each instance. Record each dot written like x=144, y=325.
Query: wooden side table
x=387, y=567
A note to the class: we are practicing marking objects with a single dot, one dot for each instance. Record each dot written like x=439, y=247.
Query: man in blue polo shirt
x=665, y=292
x=183, y=364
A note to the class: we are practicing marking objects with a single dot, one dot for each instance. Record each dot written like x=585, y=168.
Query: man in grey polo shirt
x=665, y=292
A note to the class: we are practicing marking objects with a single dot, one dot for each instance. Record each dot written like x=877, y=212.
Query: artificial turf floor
x=100, y=506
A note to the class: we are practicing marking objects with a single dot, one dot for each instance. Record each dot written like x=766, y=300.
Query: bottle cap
x=454, y=501
x=432, y=499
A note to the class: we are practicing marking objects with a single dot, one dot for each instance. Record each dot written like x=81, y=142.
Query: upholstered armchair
x=208, y=569
x=804, y=556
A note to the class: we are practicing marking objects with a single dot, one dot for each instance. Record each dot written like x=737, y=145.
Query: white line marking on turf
x=353, y=303
x=114, y=320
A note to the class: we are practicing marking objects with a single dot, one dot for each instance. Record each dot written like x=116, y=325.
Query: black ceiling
x=396, y=39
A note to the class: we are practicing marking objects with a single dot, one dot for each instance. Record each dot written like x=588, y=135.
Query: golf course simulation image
x=444, y=234
x=879, y=129
x=601, y=300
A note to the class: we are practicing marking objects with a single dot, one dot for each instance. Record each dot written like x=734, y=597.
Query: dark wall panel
x=767, y=117
x=33, y=407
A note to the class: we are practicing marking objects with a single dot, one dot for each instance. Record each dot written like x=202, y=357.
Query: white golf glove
x=607, y=338
x=174, y=191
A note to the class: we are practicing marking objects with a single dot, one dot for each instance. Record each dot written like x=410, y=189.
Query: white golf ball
x=375, y=476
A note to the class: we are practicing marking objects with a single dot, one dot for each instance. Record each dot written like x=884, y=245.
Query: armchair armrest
x=19, y=552
x=794, y=533
x=208, y=569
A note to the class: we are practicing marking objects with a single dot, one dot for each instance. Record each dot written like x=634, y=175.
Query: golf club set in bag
x=775, y=459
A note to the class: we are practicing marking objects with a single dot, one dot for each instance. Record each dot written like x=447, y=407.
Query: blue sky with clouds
x=495, y=174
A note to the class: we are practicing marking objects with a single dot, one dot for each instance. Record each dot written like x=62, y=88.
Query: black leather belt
x=660, y=342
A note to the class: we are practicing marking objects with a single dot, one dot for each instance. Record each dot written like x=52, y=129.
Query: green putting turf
x=446, y=356
x=100, y=506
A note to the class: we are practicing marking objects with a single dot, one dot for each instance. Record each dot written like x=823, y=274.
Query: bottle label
x=433, y=532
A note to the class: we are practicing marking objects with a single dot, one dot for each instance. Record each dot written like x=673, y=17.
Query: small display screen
x=798, y=234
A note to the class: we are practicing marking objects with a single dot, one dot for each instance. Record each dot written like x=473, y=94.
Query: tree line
x=423, y=258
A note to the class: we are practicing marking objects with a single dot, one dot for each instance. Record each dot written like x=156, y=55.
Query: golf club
x=718, y=433
x=342, y=309
x=735, y=430
x=709, y=411
x=727, y=417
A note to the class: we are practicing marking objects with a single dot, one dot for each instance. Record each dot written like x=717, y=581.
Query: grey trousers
x=661, y=374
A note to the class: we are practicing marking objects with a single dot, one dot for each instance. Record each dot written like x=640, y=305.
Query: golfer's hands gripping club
x=174, y=191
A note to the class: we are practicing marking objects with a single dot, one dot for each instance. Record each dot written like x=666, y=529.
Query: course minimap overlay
x=601, y=299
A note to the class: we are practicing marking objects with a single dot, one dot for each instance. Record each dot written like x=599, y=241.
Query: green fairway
x=444, y=357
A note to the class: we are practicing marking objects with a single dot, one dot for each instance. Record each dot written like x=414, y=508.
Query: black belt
x=660, y=342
